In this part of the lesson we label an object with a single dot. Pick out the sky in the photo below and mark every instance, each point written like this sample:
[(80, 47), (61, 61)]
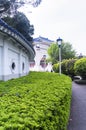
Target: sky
[(60, 18)]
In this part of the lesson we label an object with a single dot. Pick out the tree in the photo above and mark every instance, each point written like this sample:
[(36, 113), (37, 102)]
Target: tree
[(9, 7), (67, 52), (53, 53), (21, 24)]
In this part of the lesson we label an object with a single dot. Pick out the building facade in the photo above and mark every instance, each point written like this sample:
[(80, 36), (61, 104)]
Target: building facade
[(15, 53), (41, 46)]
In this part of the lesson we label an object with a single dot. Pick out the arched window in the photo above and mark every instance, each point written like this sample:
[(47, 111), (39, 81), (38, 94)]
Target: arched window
[(43, 62)]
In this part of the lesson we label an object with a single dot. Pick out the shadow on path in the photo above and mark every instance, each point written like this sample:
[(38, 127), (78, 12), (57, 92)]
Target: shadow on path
[(77, 119)]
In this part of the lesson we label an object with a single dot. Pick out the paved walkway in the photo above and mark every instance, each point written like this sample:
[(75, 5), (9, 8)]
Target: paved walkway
[(78, 108)]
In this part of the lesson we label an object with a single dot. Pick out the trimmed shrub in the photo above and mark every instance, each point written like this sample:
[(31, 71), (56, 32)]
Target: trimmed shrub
[(80, 67), (70, 67), (39, 101), (56, 68), (64, 67), (67, 67)]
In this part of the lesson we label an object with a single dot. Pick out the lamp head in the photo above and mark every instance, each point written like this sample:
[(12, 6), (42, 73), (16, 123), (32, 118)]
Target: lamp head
[(59, 41)]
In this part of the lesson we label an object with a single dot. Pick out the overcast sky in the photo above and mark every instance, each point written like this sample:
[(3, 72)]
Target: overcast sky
[(61, 18)]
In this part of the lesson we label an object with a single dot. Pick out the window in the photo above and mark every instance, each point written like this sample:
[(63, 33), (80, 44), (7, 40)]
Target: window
[(38, 47), (43, 62), (13, 65), (23, 65), (44, 56)]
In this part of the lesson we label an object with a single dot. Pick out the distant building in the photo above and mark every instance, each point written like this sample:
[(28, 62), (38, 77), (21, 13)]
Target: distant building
[(15, 53), (41, 46)]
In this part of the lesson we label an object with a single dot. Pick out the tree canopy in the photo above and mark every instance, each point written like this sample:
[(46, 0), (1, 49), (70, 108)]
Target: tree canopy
[(67, 52), (21, 23), (9, 7), (10, 14)]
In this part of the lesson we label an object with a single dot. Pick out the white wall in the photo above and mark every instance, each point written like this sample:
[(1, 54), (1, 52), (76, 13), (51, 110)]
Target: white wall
[(1, 56), (11, 53), (13, 57), (0, 60), (40, 52)]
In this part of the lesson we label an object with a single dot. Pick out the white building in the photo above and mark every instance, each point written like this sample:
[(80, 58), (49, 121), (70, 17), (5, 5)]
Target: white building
[(41, 46), (15, 53)]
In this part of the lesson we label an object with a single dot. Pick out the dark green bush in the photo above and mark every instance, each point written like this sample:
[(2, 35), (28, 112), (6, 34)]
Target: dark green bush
[(80, 67), (39, 101)]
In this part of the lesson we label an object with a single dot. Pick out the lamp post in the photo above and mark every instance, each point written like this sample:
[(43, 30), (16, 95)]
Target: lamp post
[(59, 41)]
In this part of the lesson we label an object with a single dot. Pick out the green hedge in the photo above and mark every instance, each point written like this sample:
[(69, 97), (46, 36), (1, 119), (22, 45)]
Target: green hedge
[(70, 67), (39, 101), (67, 67), (56, 68), (80, 67)]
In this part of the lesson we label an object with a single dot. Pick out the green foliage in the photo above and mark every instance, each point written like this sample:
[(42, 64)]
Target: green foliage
[(53, 53), (67, 52), (21, 23), (80, 67), (39, 101), (56, 68), (67, 67), (9, 7), (64, 66), (70, 67)]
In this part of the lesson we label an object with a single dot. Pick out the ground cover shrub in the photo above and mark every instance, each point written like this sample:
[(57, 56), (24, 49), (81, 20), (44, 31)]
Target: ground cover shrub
[(80, 68), (39, 101)]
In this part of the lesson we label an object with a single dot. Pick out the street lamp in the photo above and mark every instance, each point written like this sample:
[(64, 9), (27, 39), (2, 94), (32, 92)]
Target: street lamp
[(59, 41)]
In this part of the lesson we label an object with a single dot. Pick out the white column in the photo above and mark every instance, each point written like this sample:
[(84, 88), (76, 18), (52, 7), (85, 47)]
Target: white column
[(37, 60)]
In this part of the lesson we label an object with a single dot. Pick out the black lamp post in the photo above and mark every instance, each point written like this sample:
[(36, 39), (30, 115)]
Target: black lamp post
[(59, 41)]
